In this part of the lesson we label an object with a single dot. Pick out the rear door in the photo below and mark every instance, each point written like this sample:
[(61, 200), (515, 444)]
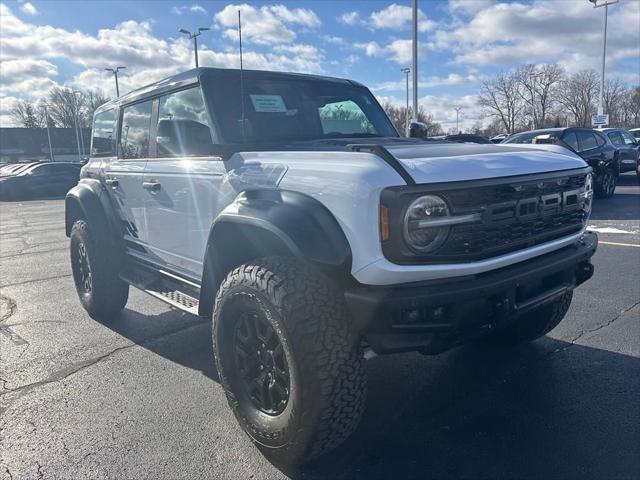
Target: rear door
[(184, 193), (589, 147), (124, 174)]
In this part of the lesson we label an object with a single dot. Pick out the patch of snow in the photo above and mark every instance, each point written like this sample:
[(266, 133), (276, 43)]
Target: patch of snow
[(608, 230)]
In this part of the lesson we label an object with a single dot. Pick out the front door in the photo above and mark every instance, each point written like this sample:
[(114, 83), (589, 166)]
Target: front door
[(124, 175), (184, 183)]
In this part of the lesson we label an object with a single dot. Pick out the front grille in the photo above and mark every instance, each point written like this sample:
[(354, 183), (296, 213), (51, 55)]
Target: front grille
[(520, 215), (515, 215)]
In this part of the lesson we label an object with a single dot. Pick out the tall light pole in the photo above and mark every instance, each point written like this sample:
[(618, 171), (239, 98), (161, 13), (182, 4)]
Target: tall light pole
[(605, 4), (415, 59), (47, 120), (457, 109), (194, 36), (115, 74), (406, 71)]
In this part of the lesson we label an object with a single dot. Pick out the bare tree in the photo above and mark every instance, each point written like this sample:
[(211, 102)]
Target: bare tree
[(577, 95), (614, 94), (503, 99), (28, 115), (631, 108), (537, 90), (65, 106)]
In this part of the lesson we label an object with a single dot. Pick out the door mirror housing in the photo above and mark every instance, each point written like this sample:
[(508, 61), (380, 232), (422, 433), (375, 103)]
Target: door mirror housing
[(418, 130)]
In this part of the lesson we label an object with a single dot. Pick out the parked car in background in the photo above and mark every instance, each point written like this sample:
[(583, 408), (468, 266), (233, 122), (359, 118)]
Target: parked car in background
[(463, 138), (40, 180), (499, 138), (592, 145), (15, 168), (635, 132), (627, 145)]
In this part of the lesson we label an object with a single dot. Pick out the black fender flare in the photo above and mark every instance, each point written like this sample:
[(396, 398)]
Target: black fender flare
[(89, 201), (271, 222)]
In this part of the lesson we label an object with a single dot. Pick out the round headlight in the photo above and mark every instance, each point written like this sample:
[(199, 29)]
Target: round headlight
[(421, 231)]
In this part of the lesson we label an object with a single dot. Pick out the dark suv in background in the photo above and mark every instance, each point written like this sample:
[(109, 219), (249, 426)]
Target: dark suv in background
[(592, 145), (627, 146)]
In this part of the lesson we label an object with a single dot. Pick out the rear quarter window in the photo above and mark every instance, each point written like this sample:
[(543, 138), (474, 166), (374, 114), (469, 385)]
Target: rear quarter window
[(103, 141)]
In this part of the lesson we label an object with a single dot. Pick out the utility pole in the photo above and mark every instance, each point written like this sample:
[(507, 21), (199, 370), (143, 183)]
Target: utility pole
[(457, 109), (606, 4), (115, 74), (415, 59), (406, 71), (47, 120), (194, 36)]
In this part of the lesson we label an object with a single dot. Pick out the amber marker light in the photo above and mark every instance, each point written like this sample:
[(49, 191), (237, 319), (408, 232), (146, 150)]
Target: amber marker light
[(384, 223)]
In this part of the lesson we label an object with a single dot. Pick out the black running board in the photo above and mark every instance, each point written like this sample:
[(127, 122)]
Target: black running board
[(177, 292)]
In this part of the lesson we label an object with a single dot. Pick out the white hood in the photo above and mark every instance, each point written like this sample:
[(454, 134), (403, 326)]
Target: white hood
[(457, 162)]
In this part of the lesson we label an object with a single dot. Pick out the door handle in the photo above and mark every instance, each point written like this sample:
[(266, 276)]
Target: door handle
[(112, 182), (152, 186)]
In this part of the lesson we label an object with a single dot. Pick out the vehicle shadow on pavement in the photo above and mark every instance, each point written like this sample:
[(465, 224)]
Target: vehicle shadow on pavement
[(550, 409), (179, 337), (546, 410)]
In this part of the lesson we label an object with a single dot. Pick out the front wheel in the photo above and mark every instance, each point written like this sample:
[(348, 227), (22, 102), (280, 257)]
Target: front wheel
[(95, 273), (531, 325), (605, 184), (289, 361)]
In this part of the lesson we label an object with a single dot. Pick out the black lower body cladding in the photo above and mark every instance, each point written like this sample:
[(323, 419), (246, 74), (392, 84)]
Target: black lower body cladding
[(435, 316)]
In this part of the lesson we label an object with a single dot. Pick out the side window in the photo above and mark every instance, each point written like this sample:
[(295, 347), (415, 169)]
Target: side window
[(628, 138), (615, 138), (571, 140), (344, 117), (586, 140), (134, 136), (183, 128), (600, 140), (42, 170), (103, 136)]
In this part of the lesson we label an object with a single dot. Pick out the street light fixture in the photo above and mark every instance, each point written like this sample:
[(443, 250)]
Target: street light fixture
[(115, 74), (194, 36), (406, 71), (605, 4)]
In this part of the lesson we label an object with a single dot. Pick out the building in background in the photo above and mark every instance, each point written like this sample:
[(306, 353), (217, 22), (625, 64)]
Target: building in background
[(22, 144)]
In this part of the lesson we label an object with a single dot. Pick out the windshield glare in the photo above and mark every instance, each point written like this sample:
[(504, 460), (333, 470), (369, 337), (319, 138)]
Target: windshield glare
[(295, 109)]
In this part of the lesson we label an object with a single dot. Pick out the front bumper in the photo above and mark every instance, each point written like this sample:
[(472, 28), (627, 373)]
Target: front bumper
[(434, 316)]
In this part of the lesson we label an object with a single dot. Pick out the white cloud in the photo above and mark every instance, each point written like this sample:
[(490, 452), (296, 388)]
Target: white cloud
[(195, 8), (398, 17), (469, 6), (7, 104), (430, 82), (29, 9), (269, 24), (349, 18), (398, 50)]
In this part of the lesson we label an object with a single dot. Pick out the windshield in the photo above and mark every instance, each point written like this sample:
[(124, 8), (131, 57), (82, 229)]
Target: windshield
[(289, 109), (527, 137)]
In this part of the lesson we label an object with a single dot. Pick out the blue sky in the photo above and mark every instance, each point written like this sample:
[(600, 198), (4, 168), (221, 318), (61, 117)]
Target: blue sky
[(462, 42)]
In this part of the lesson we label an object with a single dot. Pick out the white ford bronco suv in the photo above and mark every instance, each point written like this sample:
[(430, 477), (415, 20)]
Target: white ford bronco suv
[(287, 209)]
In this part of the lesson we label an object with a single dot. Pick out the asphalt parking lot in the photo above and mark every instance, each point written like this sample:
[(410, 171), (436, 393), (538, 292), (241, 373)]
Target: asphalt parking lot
[(138, 397)]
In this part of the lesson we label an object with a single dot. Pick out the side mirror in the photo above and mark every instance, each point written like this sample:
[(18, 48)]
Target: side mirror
[(417, 130)]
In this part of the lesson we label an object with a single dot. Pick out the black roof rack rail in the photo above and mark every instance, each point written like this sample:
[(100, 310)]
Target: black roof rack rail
[(385, 155)]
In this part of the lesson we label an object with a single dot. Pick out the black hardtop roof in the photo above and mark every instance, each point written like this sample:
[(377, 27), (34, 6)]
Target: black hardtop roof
[(193, 76)]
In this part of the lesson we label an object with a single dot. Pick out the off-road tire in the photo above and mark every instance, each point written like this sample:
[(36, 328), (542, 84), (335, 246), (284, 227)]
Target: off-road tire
[(602, 186), (532, 325), (107, 294), (325, 363)]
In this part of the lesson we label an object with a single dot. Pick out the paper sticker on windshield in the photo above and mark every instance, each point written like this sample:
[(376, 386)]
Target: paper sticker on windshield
[(268, 103)]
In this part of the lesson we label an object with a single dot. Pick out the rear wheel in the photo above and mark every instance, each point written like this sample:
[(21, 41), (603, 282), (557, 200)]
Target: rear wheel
[(532, 325), (605, 184), (95, 273), (288, 359)]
